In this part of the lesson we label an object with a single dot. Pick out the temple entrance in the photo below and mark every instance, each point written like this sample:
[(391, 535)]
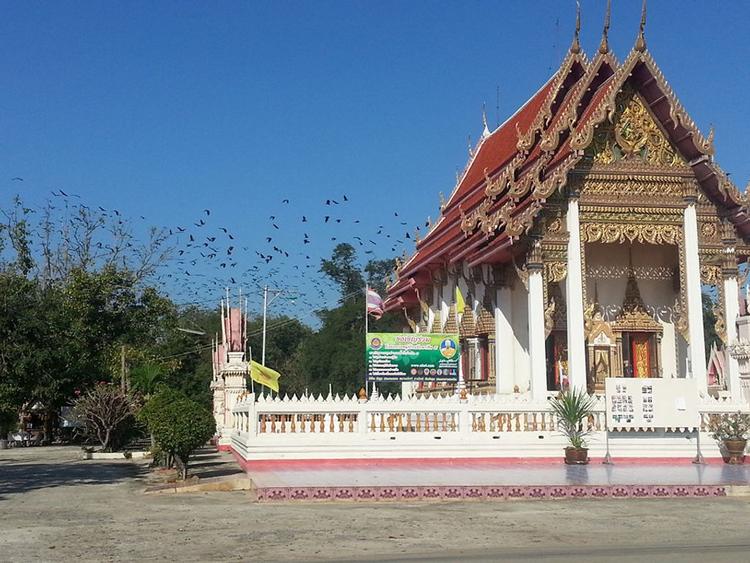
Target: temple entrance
[(625, 334), (638, 352)]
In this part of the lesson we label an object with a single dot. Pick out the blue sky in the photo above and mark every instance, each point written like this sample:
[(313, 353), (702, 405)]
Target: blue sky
[(163, 109)]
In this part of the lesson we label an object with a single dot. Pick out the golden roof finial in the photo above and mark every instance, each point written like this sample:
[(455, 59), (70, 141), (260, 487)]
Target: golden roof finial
[(604, 45), (575, 47), (640, 43)]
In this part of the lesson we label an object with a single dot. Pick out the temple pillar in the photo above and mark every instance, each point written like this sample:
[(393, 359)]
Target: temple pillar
[(731, 308), (504, 341), (537, 348), (574, 281), (696, 353)]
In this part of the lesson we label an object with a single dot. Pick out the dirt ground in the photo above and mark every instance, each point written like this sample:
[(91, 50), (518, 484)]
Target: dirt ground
[(56, 508)]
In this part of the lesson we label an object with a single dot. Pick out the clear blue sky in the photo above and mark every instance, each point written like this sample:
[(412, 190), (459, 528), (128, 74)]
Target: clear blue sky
[(163, 109)]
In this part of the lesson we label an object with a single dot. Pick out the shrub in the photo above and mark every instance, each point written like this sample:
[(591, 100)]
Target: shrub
[(179, 425), (108, 415), (734, 426)]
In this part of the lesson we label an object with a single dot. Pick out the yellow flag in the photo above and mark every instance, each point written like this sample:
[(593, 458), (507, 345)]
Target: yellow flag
[(264, 375), (460, 303)]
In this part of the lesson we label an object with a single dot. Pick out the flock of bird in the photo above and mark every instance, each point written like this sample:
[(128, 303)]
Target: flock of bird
[(284, 252)]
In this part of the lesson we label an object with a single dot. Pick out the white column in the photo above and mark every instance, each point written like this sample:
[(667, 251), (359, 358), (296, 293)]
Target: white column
[(731, 312), (696, 352), (574, 294), (504, 341), (537, 352)]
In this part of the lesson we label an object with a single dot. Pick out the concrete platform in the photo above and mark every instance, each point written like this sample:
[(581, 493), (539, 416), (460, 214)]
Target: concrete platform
[(499, 479)]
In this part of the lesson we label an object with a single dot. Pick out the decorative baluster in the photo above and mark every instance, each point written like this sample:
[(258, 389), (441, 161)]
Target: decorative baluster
[(473, 422), (382, 421), (445, 423), (419, 418), (322, 423), (453, 422), (311, 418), (282, 421), (294, 426), (273, 424), (435, 426), (518, 422), (390, 423), (351, 422), (400, 427), (331, 416)]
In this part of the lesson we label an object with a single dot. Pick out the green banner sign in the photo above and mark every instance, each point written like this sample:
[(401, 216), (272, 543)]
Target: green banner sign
[(395, 356)]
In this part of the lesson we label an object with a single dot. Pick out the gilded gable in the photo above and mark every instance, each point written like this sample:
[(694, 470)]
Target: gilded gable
[(633, 134)]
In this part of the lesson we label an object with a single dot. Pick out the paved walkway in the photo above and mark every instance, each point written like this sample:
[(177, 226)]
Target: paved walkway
[(494, 479), (54, 507), (499, 473)]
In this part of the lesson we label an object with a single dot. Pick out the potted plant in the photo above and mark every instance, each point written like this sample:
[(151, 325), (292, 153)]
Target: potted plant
[(731, 430), (572, 409)]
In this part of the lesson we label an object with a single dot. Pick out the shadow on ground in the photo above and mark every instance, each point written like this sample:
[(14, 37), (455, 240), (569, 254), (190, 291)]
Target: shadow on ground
[(207, 462), (18, 477)]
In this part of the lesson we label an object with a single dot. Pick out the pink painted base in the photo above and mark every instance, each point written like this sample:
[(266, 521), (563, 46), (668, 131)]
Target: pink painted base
[(271, 464), (544, 492)]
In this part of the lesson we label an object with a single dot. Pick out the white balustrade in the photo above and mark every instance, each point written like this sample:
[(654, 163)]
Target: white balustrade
[(347, 424)]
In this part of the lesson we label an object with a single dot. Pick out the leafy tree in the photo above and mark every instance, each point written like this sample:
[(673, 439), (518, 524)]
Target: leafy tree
[(179, 425), (335, 354), (107, 414), (342, 269), (145, 378)]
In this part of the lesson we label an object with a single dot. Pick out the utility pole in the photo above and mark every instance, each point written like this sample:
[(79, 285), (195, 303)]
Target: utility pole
[(122, 369), (266, 303)]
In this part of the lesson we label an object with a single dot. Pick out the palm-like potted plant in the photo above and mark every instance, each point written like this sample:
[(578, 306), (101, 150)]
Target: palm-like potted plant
[(572, 409), (732, 431)]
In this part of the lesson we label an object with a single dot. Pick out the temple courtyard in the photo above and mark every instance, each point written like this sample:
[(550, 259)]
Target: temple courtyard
[(55, 507)]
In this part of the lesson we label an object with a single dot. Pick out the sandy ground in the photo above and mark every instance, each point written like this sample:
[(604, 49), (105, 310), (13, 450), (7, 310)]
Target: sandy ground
[(55, 508)]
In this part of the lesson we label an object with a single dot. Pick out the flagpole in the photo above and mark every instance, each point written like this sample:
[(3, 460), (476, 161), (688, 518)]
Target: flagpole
[(367, 324), (366, 316)]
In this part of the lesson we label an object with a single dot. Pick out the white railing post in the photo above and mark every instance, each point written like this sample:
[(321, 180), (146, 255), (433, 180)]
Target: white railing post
[(362, 418)]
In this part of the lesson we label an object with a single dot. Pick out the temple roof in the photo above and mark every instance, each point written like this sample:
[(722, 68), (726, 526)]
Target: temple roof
[(517, 167)]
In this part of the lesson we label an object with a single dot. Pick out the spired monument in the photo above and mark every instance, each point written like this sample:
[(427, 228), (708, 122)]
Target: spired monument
[(583, 231)]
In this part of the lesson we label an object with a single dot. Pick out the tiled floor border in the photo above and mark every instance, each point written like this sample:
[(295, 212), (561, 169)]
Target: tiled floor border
[(486, 492)]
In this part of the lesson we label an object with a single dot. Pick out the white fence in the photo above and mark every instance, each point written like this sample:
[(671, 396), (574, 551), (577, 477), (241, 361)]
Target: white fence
[(437, 426)]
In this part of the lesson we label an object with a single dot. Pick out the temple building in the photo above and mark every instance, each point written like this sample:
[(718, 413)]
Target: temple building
[(583, 233)]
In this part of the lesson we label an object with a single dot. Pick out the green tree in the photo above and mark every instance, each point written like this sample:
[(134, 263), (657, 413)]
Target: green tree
[(179, 425), (335, 354), (342, 268)]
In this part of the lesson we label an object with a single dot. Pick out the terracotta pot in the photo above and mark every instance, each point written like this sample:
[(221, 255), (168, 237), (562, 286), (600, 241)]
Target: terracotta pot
[(576, 456), (735, 451)]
